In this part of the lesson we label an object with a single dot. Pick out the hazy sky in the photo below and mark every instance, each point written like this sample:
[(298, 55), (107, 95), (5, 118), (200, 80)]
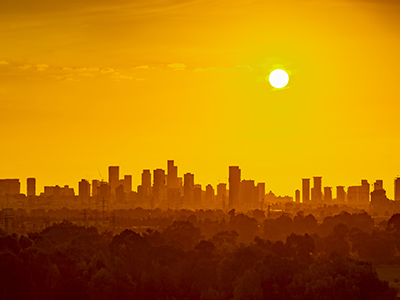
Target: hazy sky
[(88, 84)]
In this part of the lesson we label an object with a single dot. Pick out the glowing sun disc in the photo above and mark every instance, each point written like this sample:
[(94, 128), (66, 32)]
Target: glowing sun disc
[(278, 78)]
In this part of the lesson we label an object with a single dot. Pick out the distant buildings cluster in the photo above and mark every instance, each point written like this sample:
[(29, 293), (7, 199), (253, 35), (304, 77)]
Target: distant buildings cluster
[(164, 189)]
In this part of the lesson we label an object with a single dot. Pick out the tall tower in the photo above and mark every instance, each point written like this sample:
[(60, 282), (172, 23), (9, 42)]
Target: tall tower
[(172, 176), (378, 185), (146, 183), (159, 187), (297, 196), (234, 187), (113, 178), (397, 189), (221, 195), (340, 194), (84, 191), (31, 187), (95, 186), (316, 192), (188, 187), (327, 194), (306, 190), (128, 184)]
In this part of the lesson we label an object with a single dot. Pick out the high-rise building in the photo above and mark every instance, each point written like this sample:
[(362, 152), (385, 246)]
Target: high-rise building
[(113, 178), (327, 194), (210, 195), (197, 196), (359, 194), (120, 194), (188, 187), (159, 187), (340, 194), (378, 185), (103, 194), (248, 195), (222, 195), (128, 183), (84, 191), (31, 187), (173, 191), (306, 190), (234, 187), (146, 184), (297, 196), (316, 192), (9, 187), (397, 189), (95, 186), (172, 176)]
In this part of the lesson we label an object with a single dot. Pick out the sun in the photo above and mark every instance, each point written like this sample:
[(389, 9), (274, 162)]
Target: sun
[(278, 78)]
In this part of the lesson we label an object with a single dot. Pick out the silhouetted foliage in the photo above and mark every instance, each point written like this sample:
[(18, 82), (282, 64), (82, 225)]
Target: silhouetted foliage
[(66, 261)]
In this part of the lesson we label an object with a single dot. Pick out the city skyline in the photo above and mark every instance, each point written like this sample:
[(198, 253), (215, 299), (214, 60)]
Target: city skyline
[(173, 180)]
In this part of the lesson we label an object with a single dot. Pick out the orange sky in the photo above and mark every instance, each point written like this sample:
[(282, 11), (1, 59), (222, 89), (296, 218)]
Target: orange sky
[(88, 84)]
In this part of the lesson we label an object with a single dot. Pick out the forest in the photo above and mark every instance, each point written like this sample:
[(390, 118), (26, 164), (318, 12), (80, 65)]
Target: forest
[(239, 258)]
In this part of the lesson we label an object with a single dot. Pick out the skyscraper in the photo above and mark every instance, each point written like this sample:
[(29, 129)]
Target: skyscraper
[(84, 191), (128, 184), (306, 190), (210, 195), (327, 194), (188, 187), (222, 195), (172, 176), (113, 178), (95, 186), (316, 192), (397, 189), (159, 187), (234, 186), (340, 194), (31, 187), (378, 185), (297, 196)]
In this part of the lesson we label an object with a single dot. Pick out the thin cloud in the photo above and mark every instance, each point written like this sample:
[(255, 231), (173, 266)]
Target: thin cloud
[(41, 67), (177, 66), (144, 67), (118, 76), (3, 62), (237, 68), (25, 67), (107, 70)]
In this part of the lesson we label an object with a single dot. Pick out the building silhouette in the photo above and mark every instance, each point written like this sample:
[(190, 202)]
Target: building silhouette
[(197, 196), (31, 187), (127, 183), (327, 194), (10, 187), (234, 187), (159, 188), (188, 189), (316, 191), (297, 196), (113, 178), (358, 195), (306, 190), (222, 196), (340, 194), (209, 197), (84, 192), (397, 189)]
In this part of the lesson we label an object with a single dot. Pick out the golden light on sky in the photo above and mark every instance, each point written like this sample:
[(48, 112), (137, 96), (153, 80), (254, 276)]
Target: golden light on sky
[(88, 84)]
